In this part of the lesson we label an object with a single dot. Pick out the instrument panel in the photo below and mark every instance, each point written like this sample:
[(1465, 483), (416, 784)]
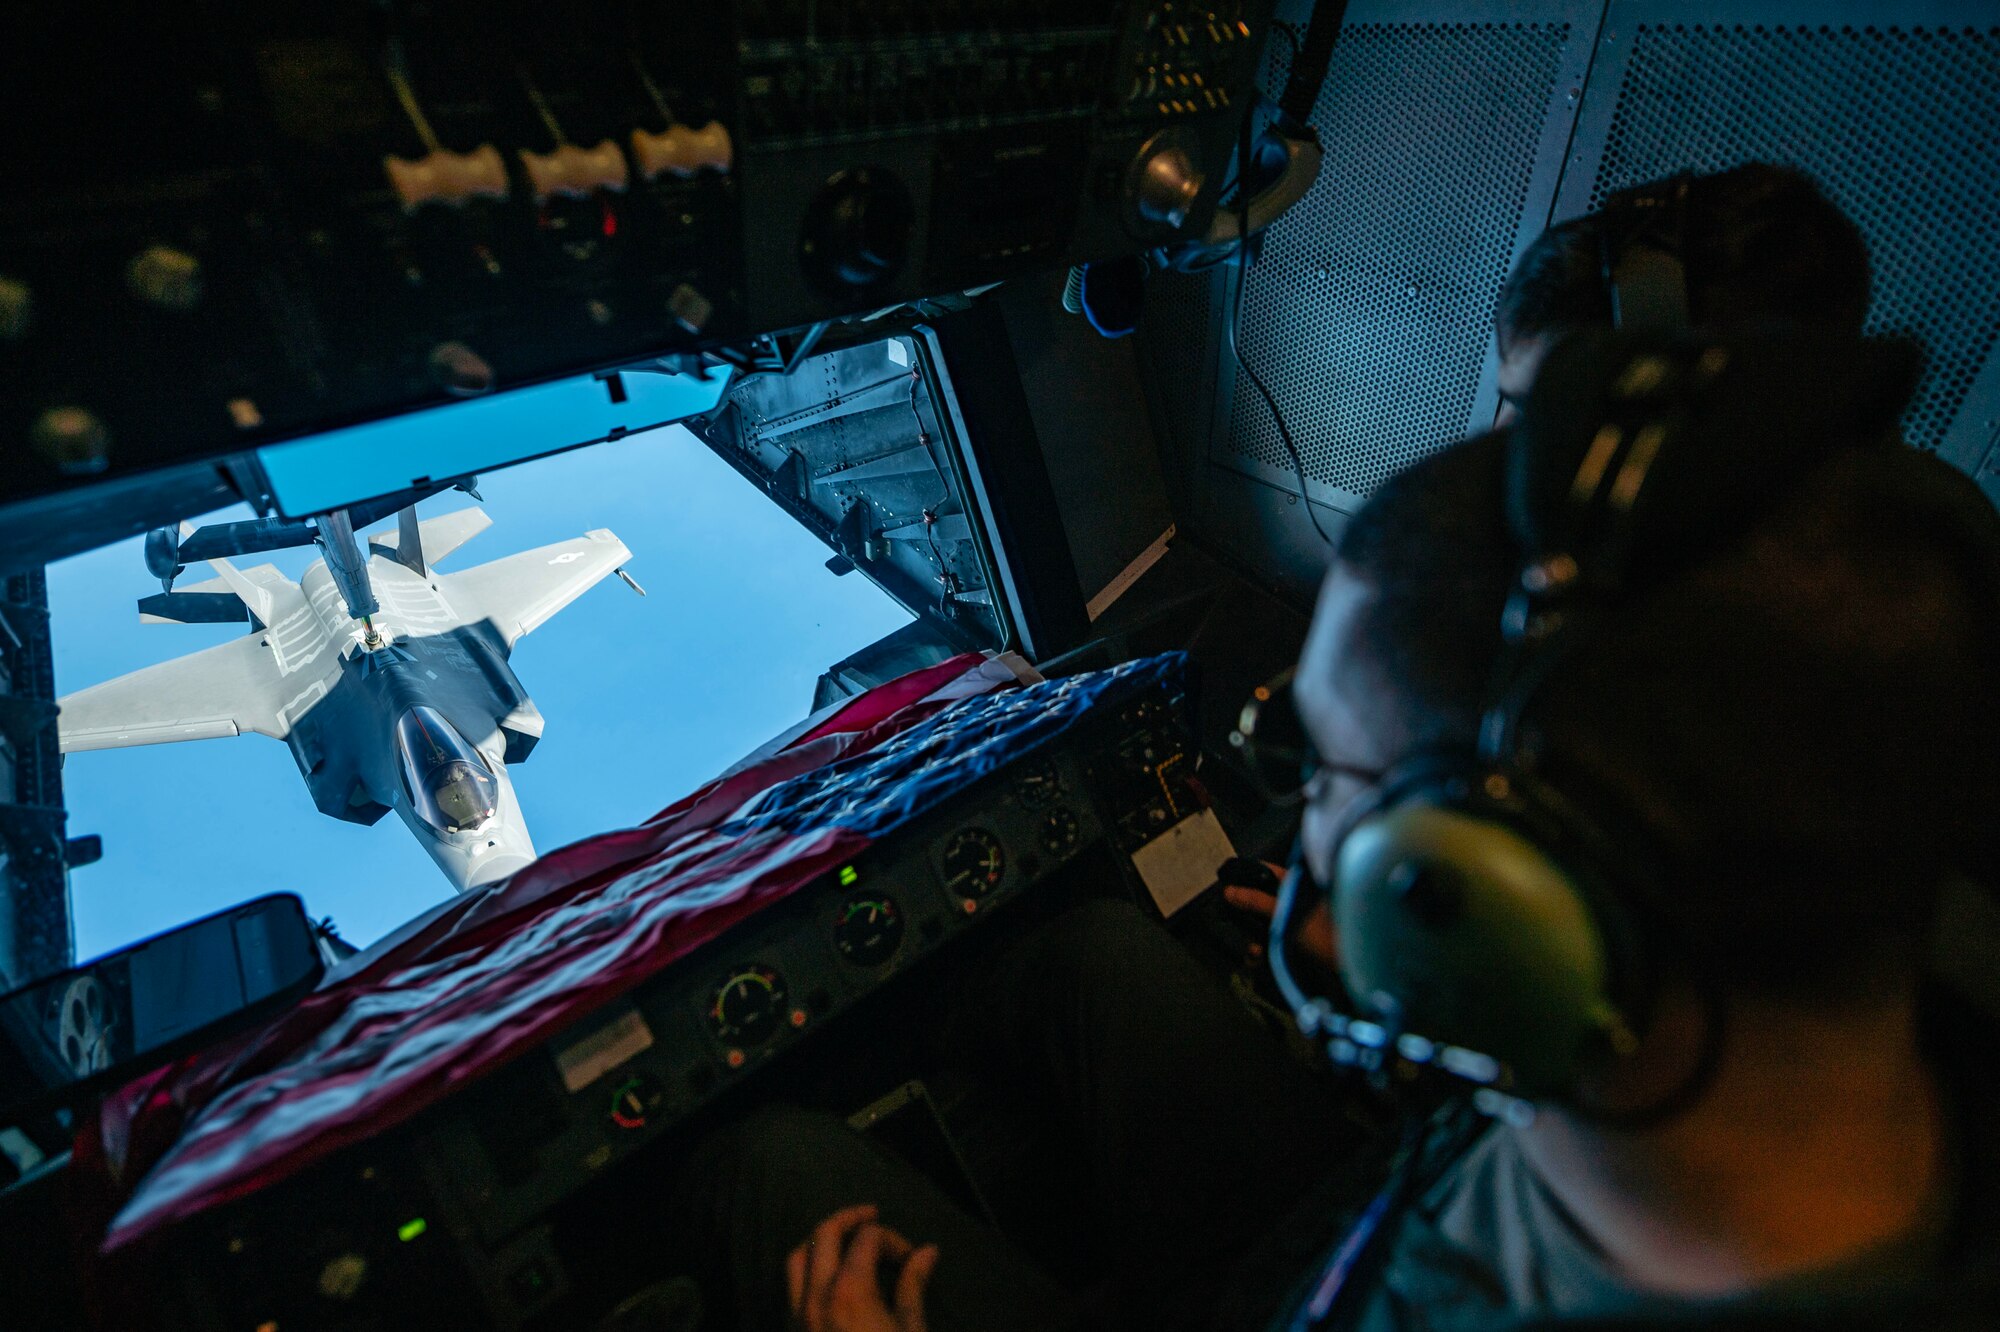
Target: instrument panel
[(552, 1125), (475, 1181)]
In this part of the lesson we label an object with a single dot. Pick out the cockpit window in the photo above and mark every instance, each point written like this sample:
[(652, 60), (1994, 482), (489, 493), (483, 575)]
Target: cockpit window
[(450, 785)]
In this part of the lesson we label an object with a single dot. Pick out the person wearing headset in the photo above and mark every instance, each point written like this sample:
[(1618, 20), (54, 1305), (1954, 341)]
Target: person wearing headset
[(1759, 246), (1763, 245), (1657, 833), (1275, 1121), (1671, 849)]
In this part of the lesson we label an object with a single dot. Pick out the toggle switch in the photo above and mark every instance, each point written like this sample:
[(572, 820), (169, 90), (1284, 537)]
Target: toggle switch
[(683, 151), (573, 171), (447, 177)]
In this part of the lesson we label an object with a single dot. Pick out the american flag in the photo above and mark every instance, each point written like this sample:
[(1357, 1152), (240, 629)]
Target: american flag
[(494, 973)]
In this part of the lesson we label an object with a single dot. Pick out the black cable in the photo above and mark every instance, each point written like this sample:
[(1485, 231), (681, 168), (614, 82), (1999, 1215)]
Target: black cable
[(1277, 949), (1289, 33), (946, 579), (1308, 69), (1285, 31), (1247, 256), (1284, 433), (924, 439), (923, 436)]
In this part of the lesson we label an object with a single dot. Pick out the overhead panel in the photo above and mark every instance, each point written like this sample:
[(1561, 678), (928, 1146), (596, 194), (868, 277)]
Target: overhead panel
[(257, 223), (1893, 108)]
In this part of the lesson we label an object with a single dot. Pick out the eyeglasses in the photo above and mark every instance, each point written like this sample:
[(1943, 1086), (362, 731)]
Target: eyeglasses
[(1279, 752)]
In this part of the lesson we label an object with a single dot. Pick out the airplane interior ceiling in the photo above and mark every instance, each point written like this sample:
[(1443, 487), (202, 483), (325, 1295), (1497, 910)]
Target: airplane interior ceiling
[(1369, 313)]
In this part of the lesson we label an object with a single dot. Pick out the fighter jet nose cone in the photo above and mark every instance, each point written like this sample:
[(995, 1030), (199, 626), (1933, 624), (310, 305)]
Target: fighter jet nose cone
[(495, 867)]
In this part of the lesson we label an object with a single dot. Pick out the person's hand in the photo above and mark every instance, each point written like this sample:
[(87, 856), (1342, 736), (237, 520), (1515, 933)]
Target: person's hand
[(835, 1277), (1313, 938)]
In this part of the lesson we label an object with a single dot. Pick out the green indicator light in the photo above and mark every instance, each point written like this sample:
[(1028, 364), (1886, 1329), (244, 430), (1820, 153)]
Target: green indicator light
[(848, 876), (409, 1230)]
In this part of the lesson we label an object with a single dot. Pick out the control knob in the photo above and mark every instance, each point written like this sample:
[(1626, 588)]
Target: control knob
[(17, 309), (74, 439), (163, 276), (857, 231), (1162, 184)]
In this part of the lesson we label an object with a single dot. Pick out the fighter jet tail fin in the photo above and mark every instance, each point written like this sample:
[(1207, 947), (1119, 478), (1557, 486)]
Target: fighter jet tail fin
[(255, 597), (253, 589), (218, 600), (192, 608), (410, 541), (419, 545)]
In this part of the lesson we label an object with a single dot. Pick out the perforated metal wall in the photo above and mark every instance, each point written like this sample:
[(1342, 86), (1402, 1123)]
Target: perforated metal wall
[(1451, 142), (1370, 311), (1900, 124)]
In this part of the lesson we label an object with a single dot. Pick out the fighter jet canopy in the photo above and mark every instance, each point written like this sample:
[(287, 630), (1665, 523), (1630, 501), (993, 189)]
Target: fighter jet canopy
[(450, 786)]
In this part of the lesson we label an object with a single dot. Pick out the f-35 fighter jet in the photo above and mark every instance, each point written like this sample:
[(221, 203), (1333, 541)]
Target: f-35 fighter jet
[(387, 678)]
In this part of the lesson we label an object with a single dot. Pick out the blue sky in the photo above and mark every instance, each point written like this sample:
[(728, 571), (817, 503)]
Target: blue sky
[(644, 699)]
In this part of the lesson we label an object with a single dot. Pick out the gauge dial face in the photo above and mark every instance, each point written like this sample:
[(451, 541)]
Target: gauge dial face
[(974, 862), (869, 929), (1040, 787), (634, 1099), (1060, 831), (749, 1007)]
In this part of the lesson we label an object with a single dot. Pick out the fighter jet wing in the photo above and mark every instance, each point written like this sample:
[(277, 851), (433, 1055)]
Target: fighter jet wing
[(520, 592), (219, 691)]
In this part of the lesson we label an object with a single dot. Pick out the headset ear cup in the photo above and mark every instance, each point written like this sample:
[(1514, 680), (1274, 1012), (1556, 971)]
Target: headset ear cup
[(1458, 924), (1749, 416)]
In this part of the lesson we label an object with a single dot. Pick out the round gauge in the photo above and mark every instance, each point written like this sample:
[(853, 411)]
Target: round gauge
[(869, 929), (1059, 832), (749, 1006), (634, 1099), (974, 862), (1040, 787)]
